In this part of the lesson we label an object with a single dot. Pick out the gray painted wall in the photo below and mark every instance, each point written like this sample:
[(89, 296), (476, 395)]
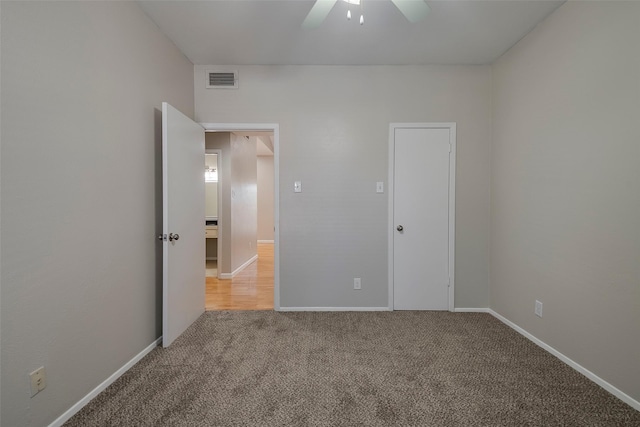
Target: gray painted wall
[(264, 165), (82, 85), (565, 199), (334, 130), (0, 220), (244, 200)]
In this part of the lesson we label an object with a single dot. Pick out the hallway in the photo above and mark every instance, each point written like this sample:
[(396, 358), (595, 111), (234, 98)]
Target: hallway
[(251, 289)]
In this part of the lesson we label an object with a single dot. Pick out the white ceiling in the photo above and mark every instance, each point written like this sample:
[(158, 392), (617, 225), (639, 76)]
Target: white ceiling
[(269, 32)]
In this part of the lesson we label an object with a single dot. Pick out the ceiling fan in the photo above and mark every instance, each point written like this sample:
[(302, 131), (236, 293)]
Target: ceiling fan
[(413, 10)]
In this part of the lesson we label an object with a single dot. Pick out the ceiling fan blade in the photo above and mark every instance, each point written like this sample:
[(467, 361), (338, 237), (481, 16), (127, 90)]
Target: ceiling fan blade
[(413, 10), (318, 12)]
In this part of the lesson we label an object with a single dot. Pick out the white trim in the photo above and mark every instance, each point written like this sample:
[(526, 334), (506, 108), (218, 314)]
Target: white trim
[(265, 241), (334, 309), (584, 371), (103, 385), (390, 186), (452, 213), (471, 310), (233, 127), (275, 128), (452, 202), (239, 269)]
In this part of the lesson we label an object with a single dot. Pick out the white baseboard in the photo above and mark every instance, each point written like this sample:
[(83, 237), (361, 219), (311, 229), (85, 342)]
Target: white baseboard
[(457, 310), (334, 309), (584, 371), (470, 310), (238, 270), (106, 383), (265, 241)]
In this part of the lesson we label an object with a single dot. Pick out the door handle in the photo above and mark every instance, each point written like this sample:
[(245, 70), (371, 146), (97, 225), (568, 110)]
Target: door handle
[(173, 236), (399, 228)]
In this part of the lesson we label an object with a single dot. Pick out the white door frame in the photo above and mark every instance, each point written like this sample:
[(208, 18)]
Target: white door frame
[(452, 200), (263, 127)]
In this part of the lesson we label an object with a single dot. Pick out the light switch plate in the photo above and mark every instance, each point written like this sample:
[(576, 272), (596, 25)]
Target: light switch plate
[(297, 187), (379, 187), (538, 309)]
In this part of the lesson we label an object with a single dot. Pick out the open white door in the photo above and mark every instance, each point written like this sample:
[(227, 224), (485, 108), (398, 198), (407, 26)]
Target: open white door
[(183, 225)]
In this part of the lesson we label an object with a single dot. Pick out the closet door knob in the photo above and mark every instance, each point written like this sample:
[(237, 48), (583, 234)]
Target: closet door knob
[(173, 236), (399, 228)]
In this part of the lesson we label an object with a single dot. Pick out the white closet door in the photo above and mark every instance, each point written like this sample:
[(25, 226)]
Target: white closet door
[(421, 218)]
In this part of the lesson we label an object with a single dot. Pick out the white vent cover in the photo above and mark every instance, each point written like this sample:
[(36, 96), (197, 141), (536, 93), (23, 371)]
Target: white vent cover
[(221, 79)]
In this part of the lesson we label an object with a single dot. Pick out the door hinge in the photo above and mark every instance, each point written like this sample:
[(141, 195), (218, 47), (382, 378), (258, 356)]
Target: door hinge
[(449, 147)]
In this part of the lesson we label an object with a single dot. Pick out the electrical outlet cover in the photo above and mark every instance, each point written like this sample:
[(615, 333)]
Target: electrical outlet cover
[(38, 381)]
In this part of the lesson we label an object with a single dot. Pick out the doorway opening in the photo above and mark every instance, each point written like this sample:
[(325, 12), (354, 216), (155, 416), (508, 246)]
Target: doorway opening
[(212, 203), (247, 233)]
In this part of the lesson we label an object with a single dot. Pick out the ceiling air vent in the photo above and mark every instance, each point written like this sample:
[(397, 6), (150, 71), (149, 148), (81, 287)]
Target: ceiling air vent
[(219, 79)]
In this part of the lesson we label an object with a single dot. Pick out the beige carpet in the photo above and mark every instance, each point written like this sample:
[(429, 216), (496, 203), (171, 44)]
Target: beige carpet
[(264, 368)]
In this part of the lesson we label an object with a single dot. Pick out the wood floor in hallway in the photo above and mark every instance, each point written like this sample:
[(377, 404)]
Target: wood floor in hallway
[(251, 289)]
